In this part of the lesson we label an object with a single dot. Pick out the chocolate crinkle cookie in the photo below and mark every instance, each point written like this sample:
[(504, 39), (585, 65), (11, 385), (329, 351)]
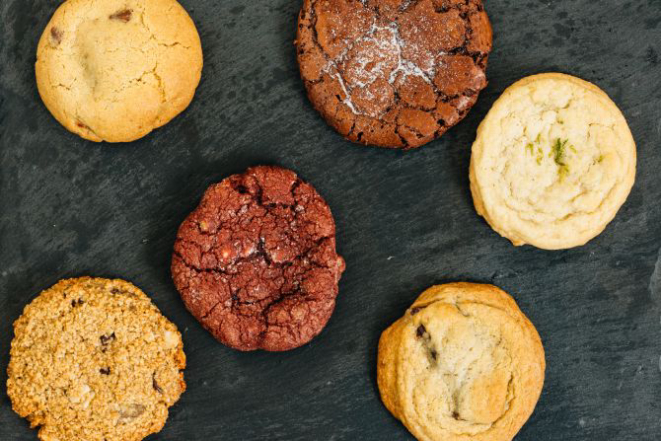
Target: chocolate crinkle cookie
[(393, 73), (256, 264)]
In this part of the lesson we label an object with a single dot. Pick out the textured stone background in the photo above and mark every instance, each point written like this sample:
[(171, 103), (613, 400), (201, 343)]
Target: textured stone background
[(69, 207)]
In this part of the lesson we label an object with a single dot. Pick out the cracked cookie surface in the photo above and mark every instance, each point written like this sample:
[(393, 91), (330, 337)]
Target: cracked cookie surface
[(93, 359), (393, 73), (463, 363), (114, 70), (553, 162), (256, 263)]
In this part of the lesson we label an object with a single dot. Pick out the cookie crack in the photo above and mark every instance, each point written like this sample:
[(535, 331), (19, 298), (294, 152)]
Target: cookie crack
[(152, 35)]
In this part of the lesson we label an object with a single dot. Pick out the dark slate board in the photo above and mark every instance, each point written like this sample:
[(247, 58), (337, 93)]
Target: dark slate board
[(405, 220)]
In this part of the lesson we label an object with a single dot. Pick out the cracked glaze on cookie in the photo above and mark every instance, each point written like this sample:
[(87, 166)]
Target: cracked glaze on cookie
[(256, 264), (393, 73), (93, 359), (463, 363), (114, 70)]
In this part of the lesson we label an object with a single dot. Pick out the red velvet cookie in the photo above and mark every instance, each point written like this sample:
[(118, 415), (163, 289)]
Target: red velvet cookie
[(393, 73), (256, 263)]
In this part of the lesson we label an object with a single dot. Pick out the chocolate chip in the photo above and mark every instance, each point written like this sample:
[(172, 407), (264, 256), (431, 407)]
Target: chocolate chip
[(78, 302), (105, 339), (421, 331), (123, 15), (105, 371), (56, 34), (434, 354), (155, 385), (455, 415), (417, 309)]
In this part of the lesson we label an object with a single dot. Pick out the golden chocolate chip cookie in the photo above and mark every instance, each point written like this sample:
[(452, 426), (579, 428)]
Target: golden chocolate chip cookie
[(463, 364), (114, 70), (553, 162), (94, 360)]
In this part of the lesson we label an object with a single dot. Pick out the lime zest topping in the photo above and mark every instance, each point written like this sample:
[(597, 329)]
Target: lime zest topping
[(530, 148), (559, 150)]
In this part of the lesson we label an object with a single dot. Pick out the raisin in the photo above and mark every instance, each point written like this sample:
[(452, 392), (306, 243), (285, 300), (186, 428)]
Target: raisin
[(105, 339), (155, 385), (105, 371)]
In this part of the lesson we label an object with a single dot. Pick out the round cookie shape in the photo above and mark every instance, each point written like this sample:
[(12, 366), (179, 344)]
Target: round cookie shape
[(553, 162), (256, 263), (93, 359), (463, 363), (393, 73), (114, 70)]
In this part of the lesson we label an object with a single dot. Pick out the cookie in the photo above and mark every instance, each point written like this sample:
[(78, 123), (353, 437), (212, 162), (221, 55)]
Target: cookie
[(93, 359), (553, 162), (393, 73), (114, 70), (463, 363), (256, 263)]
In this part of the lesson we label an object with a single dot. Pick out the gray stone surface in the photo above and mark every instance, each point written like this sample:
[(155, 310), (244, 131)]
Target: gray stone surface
[(69, 207)]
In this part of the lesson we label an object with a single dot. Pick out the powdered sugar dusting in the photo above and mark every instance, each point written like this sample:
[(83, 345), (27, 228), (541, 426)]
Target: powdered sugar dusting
[(378, 54), (462, 103), (347, 97), (407, 67)]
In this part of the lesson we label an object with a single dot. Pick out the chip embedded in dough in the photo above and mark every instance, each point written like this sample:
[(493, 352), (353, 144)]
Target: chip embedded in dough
[(114, 70), (462, 364), (93, 359), (553, 162)]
